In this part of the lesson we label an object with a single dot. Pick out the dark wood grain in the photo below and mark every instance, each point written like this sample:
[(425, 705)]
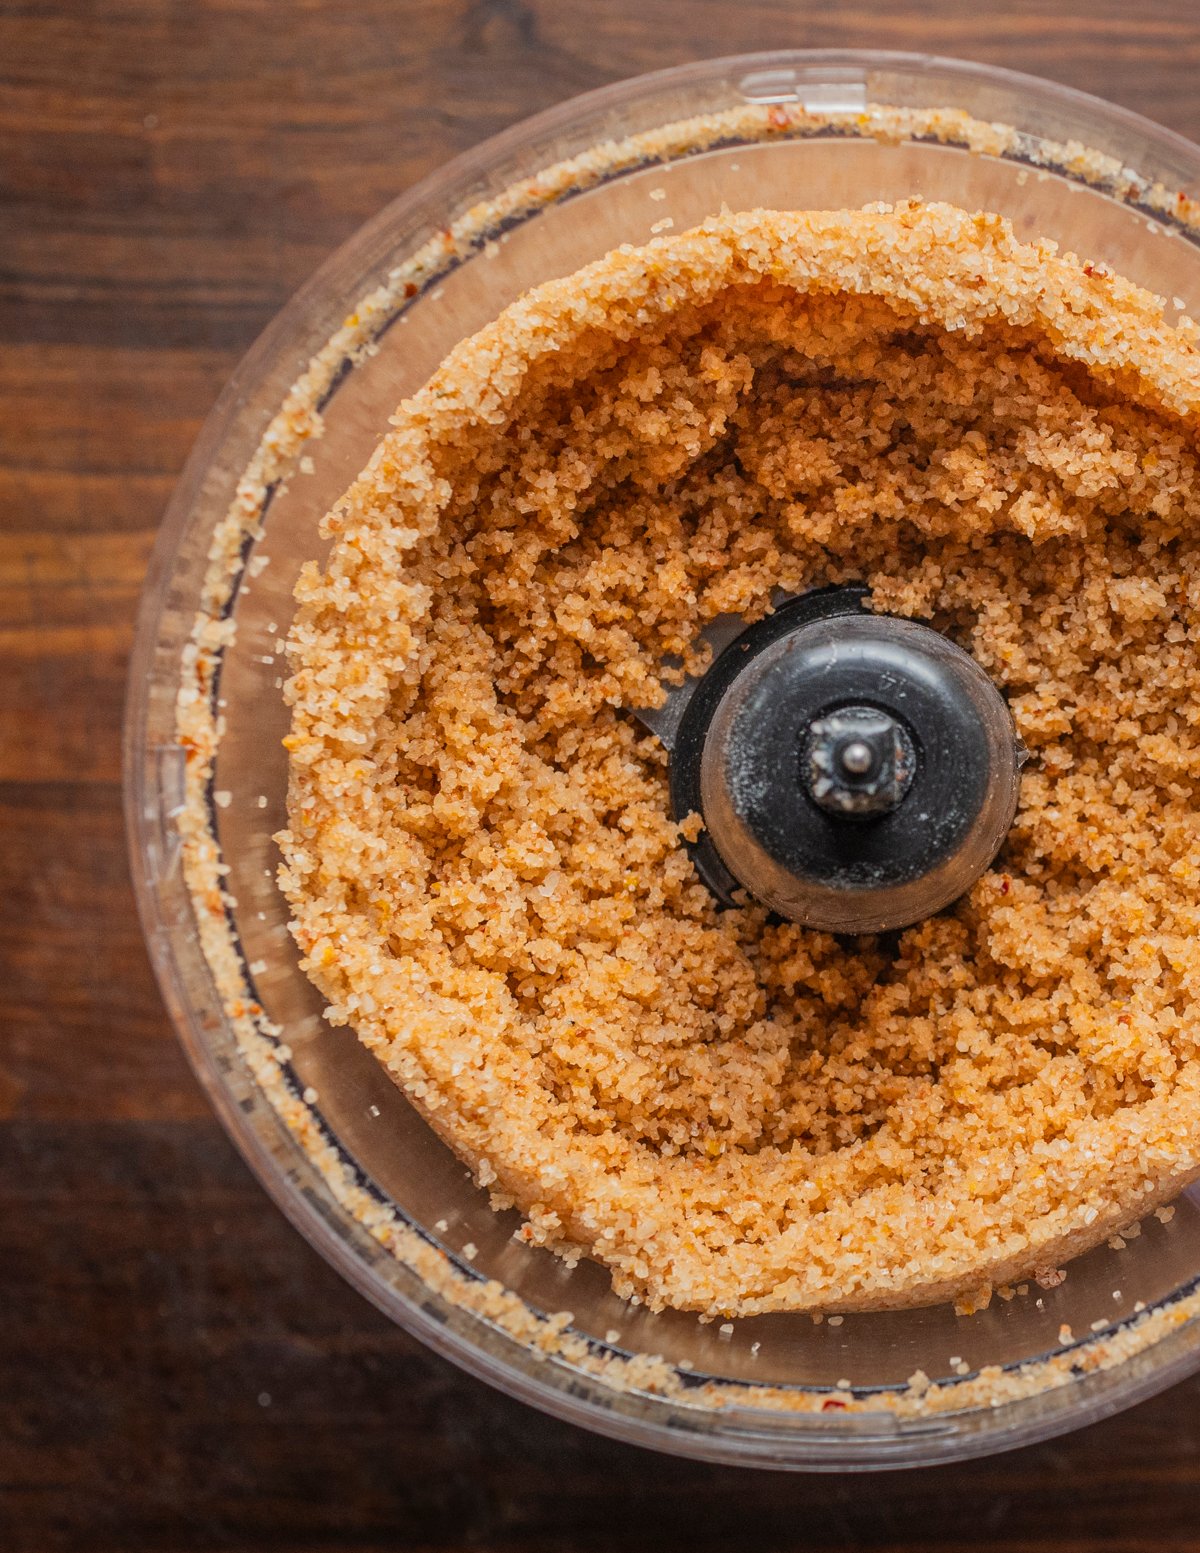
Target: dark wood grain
[(177, 1369)]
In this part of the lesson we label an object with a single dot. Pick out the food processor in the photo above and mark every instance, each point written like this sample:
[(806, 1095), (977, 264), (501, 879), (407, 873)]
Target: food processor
[(331, 1137)]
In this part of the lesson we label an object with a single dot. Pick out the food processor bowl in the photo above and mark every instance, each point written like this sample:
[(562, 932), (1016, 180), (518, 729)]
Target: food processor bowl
[(328, 1133)]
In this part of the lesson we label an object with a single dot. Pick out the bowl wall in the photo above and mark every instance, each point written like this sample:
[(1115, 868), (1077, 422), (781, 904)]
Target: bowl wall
[(360, 1119)]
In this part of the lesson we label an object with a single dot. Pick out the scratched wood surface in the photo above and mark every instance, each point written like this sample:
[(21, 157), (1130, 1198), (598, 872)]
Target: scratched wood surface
[(177, 1369)]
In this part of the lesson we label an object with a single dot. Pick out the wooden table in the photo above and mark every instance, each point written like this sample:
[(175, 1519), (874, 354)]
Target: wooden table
[(177, 1369)]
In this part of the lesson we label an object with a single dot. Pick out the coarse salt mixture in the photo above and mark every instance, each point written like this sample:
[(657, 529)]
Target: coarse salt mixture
[(739, 1115)]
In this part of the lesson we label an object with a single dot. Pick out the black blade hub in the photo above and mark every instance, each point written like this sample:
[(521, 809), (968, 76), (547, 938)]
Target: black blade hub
[(854, 771)]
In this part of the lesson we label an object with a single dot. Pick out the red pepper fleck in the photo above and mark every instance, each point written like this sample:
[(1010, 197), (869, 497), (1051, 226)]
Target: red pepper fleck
[(832, 1405)]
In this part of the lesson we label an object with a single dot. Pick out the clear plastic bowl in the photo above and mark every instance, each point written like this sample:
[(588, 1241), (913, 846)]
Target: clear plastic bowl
[(328, 1134)]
